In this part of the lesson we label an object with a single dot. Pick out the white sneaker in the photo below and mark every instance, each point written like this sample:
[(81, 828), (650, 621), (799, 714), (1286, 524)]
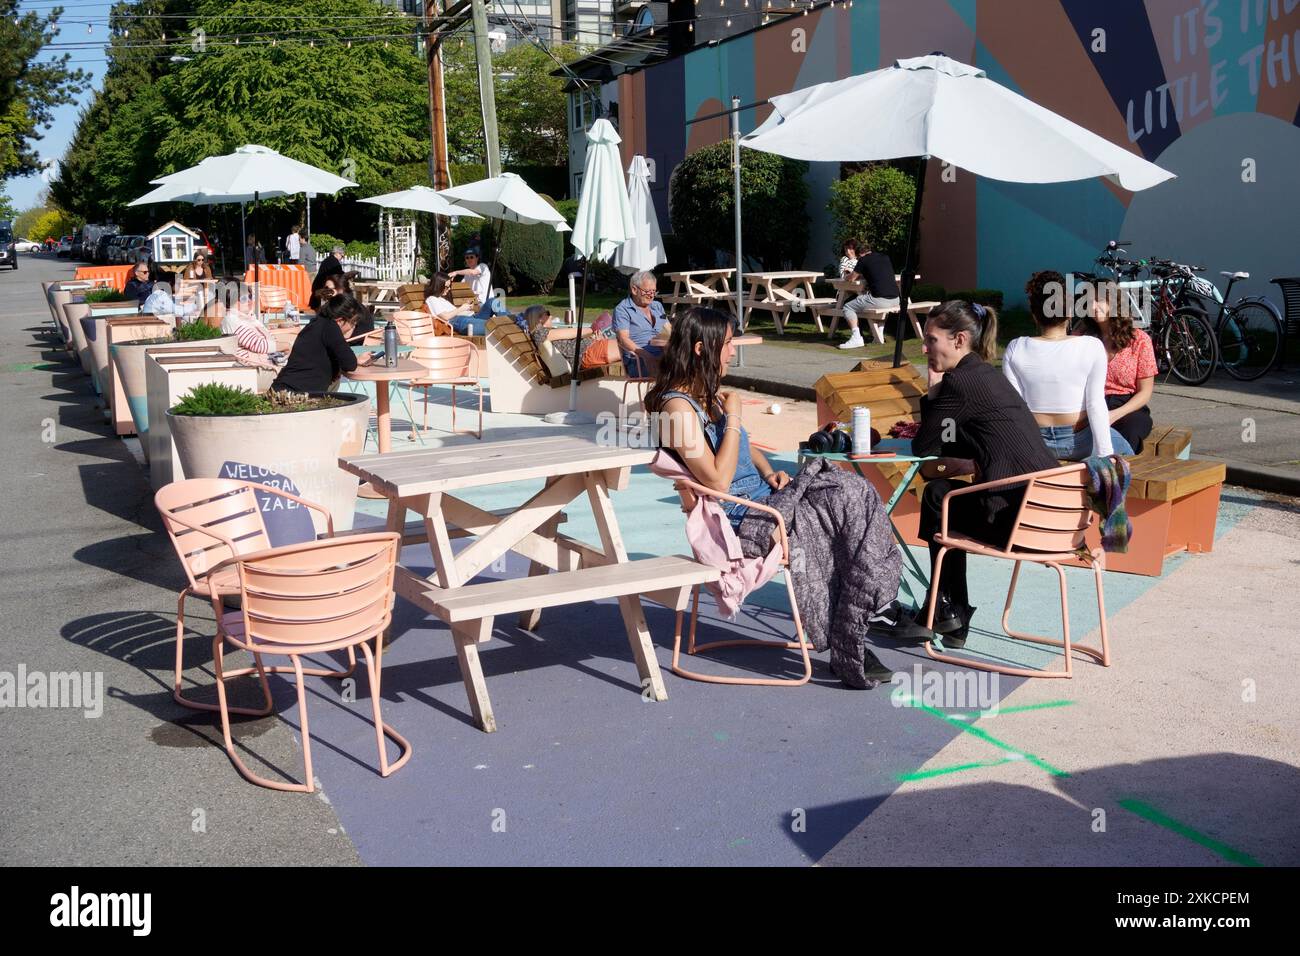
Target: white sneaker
[(854, 342)]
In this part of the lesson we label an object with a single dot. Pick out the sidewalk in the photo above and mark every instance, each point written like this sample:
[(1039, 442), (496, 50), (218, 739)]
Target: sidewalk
[(1253, 423)]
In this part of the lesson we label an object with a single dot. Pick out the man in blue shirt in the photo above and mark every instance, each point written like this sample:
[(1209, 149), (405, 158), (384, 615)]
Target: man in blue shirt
[(638, 319)]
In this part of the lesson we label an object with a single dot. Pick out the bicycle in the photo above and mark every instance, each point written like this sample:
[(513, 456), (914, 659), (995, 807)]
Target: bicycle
[(1184, 341), (1249, 332)]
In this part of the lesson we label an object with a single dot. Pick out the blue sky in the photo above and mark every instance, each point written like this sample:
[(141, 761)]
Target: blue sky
[(77, 15)]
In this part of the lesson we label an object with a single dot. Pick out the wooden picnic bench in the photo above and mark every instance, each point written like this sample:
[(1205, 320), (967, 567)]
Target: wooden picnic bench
[(698, 287), (780, 294), (562, 569), (848, 289)]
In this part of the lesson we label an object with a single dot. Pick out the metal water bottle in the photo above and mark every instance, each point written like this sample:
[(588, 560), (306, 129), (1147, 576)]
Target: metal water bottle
[(390, 345), (861, 430)]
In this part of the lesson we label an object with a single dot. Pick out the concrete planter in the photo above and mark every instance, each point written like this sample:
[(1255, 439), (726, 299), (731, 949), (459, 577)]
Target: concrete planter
[(129, 372), (73, 313), (95, 328), (169, 378), (298, 451), (118, 331), (58, 299)]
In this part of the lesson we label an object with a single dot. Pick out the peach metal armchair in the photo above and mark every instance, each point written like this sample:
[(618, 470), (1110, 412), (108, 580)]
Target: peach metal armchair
[(308, 599), (688, 491), (1050, 527), (449, 361), (641, 382), (208, 521)]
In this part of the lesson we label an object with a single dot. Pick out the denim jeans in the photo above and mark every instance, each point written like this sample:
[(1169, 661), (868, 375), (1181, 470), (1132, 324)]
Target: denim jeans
[(469, 325), (1065, 443)]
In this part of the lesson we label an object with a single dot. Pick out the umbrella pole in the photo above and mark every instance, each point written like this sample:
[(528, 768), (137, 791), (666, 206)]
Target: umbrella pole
[(909, 262), (257, 263), (573, 416)]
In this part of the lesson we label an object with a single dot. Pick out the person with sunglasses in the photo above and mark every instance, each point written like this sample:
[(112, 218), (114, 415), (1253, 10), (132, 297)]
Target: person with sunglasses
[(638, 319)]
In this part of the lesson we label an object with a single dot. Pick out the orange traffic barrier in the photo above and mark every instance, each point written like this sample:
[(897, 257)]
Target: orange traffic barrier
[(118, 274), (292, 278)]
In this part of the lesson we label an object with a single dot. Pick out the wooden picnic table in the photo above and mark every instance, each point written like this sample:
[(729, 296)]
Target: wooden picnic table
[(847, 289), (699, 286), (563, 570), (779, 293)]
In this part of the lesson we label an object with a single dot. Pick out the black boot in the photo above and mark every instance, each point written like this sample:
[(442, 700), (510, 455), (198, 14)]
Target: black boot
[(955, 637)]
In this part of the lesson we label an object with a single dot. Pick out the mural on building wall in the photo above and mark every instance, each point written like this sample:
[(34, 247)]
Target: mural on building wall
[(1210, 90)]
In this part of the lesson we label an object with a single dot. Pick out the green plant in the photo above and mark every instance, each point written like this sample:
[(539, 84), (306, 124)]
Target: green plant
[(527, 257), (217, 399), (214, 398), (774, 196), (875, 207), (928, 292), (106, 295), (196, 332), (991, 297)]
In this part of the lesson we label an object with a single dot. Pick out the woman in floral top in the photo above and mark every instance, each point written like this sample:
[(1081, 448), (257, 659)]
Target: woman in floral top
[(1131, 370)]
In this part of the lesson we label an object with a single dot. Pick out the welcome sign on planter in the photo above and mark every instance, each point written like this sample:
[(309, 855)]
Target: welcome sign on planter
[(287, 522)]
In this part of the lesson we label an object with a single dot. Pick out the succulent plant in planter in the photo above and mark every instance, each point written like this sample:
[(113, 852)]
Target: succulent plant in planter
[(105, 295), (289, 440)]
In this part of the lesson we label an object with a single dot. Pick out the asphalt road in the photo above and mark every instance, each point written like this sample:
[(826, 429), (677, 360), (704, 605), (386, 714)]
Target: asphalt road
[(89, 585)]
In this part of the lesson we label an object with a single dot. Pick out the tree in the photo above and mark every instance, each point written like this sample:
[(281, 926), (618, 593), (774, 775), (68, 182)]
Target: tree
[(874, 206), (300, 80), (355, 107), (7, 210), (532, 107), (29, 89), (773, 197)]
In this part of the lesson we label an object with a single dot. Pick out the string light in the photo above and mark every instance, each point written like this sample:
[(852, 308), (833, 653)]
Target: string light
[(690, 28), (728, 21)]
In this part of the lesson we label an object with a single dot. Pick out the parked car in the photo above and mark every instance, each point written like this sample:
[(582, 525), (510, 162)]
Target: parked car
[(118, 254), (65, 247), (27, 245), (78, 247), (137, 248), (104, 251), (8, 250)]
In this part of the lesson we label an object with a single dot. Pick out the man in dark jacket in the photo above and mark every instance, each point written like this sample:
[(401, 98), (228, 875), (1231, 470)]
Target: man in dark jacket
[(331, 265)]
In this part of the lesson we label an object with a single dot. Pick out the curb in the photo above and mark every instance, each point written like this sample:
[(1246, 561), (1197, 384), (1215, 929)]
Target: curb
[(1279, 481)]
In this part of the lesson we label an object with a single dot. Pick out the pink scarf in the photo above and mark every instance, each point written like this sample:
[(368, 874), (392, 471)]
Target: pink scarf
[(714, 543)]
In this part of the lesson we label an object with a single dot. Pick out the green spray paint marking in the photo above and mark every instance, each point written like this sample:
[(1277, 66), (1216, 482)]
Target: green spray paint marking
[(940, 771), (1015, 710), (1148, 812), (986, 737)]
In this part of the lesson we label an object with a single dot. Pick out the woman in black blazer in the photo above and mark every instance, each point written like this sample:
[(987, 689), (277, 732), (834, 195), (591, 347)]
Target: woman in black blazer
[(976, 420)]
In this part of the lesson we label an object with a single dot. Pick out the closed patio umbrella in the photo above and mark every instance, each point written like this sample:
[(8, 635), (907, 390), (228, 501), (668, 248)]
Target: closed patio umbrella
[(936, 106), (603, 223), (645, 248)]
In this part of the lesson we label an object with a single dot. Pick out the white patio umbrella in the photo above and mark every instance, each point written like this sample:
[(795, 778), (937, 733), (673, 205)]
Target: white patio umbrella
[(645, 249), (935, 106), (602, 224), (248, 174), (506, 197), (421, 199)]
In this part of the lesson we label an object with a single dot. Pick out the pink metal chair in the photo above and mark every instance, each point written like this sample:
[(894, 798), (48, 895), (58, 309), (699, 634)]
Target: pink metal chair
[(449, 361), (208, 521), (687, 491), (1050, 527), (309, 599), (641, 382)]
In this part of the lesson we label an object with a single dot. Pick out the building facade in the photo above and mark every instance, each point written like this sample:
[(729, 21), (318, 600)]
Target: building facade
[(1209, 90)]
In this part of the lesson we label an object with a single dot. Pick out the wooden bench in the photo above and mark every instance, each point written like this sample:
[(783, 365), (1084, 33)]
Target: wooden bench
[(1168, 441), (520, 383)]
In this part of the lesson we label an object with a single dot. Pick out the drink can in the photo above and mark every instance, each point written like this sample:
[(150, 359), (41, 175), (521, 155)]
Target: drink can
[(861, 430)]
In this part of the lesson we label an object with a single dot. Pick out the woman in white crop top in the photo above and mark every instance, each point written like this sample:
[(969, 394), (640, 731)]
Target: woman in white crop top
[(1062, 378)]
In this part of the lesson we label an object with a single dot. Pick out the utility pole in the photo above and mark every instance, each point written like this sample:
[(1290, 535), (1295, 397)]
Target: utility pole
[(439, 172), (483, 54)]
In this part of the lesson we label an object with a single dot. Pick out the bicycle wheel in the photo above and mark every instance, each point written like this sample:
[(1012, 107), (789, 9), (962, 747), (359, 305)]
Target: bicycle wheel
[(1249, 340), (1189, 346)]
